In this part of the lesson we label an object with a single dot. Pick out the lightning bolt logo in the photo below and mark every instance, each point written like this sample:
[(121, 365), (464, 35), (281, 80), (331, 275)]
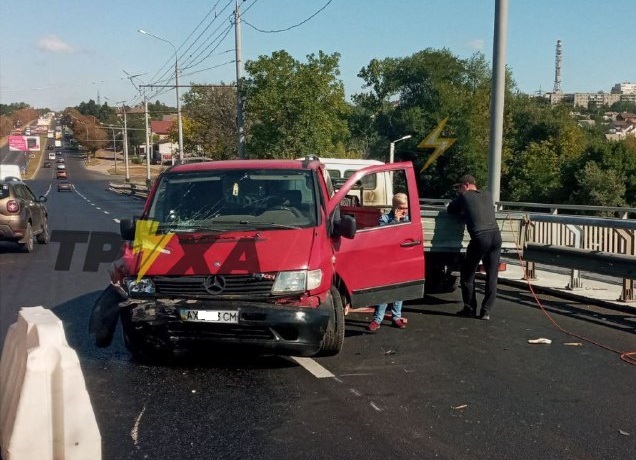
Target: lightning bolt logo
[(433, 141), (149, 244)]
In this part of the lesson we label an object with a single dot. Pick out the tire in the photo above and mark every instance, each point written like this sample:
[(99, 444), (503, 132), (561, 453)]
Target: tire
[(334, 335), (441, 284), (28, 244), (44, 237)]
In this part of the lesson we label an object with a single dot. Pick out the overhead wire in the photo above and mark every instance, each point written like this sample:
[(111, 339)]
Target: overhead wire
[(203, 46), (292, 26), (165, 73)]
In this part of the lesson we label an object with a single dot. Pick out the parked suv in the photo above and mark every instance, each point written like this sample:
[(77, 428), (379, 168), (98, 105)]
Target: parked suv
[(22, 214)]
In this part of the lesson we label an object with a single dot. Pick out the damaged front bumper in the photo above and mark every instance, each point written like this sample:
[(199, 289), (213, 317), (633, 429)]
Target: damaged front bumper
[(164, 323)]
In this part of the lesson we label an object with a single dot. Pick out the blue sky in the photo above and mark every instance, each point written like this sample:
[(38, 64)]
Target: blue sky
[(62, 52)]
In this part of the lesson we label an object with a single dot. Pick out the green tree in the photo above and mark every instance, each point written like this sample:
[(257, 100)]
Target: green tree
[(544, 142), (412, 95), (537, 174), (210, 128), (292, 108), (623, 106), (86, 131), (598, 186), (158, 109), (618, 158)]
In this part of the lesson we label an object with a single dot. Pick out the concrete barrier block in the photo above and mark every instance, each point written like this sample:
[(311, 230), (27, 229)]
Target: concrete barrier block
[(45, 410)]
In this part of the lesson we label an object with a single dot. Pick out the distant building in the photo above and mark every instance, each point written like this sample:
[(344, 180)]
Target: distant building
[(624, 88), (161, 128)]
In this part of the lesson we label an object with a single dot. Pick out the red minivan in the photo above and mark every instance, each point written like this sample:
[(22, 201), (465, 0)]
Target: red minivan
[(257, 254)]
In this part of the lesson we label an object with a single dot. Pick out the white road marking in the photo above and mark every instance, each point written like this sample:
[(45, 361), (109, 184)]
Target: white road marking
[(355, 392), (116, 221), (313, 367), (134, 433), (375, 406)]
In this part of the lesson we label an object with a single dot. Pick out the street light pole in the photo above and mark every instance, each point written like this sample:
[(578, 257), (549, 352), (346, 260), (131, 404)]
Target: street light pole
[(176, 82), (126, 168), (148, 179), (392, 146)]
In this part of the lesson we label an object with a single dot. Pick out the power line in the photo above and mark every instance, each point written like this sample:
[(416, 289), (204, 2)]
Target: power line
[(290, 27)]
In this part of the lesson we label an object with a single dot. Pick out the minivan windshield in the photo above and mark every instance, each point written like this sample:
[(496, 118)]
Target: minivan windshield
[(234, 199)]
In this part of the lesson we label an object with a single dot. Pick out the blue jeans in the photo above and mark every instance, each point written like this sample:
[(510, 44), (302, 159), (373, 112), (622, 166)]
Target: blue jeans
[(396, 311)]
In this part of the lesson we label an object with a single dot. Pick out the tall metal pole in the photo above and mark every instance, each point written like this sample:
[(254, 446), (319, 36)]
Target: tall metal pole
[(114, 148), (148, 179), (123, 106), (497, 98), (239, 98), (176, 83)]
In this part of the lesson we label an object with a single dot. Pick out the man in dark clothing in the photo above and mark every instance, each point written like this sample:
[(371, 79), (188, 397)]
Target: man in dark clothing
[(477, 208)]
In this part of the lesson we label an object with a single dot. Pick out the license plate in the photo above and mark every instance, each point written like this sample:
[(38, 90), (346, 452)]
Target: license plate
[(210, 316)]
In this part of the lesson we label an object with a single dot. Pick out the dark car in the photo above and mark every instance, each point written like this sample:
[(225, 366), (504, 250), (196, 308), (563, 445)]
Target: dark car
[(23, 216), (64, 186), (47, 164)]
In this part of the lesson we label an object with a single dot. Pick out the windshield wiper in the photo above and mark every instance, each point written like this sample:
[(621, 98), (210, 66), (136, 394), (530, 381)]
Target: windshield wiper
[(260, 224)]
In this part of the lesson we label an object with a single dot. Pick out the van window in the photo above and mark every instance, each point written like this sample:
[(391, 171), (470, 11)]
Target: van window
[(368, 213), (368, 182), (334, 173)]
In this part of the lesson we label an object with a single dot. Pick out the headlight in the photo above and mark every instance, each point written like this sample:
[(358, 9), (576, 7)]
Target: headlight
[(298, 281), (143, 286)]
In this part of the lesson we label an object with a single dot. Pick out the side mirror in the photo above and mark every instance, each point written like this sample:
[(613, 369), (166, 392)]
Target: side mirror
[(127, 229), (345, 226)]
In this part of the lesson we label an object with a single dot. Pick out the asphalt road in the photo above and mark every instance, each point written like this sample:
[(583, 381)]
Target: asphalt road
[(446, 387)]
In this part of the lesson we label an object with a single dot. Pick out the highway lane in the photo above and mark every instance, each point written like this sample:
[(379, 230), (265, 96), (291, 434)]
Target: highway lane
[(34, 279), (445, 387)]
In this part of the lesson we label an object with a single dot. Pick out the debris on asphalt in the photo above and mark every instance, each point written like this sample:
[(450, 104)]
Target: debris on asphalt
[(463, 406), (573, 344), (624, 433), (540, 340)]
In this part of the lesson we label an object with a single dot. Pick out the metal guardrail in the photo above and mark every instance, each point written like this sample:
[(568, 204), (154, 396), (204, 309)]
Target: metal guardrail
[(578, 242), (599, 245), (131, 189)]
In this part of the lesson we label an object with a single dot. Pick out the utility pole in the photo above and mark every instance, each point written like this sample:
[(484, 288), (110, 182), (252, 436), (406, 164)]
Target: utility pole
[(148, 179), (239, 98), (123, 106)]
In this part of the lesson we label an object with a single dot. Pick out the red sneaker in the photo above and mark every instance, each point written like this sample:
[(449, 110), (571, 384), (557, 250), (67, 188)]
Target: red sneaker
[(373, 327), (400, 323)]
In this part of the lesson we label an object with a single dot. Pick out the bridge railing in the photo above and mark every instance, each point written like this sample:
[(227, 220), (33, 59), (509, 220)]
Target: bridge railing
[(575, 237), (129, 188)]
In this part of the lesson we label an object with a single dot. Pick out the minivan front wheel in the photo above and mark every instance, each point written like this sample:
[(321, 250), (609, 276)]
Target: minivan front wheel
[(335, 333)]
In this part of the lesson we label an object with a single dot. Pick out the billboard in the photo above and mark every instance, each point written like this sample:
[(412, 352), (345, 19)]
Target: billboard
[(24, 143)]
